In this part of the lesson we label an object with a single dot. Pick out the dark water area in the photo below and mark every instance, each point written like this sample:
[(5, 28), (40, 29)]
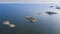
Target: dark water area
[(16, 12)]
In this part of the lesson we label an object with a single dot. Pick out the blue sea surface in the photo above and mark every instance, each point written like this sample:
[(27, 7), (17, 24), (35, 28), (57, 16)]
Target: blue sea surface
[(16, 12)]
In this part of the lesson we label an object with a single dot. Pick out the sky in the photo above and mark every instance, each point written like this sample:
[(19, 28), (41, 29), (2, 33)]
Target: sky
[(54, 1)]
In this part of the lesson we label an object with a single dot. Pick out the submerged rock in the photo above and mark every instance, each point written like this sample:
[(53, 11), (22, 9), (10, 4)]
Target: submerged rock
[(6, 22), (12, 25), (51, 6), (30, 19), (57, 7), (51, 13), (39, 13)]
